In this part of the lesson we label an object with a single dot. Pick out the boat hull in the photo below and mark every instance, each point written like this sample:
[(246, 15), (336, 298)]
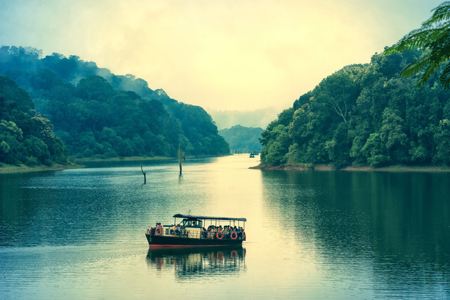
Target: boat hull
[(167, 242)]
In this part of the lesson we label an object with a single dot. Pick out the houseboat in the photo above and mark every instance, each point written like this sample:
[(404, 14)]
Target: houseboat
[(197, 231)]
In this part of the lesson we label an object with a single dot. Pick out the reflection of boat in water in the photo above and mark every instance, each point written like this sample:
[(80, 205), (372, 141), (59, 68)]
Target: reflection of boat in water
[(190, 232), (198, 261)]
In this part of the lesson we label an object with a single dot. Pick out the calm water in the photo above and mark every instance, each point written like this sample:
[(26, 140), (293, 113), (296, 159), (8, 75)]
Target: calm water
[(80, 233)]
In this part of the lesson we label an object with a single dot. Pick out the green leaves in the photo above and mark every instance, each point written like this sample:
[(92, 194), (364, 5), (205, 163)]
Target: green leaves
[(434, 39), (277, 146), (442, 138), (374, 151), (25, 136)]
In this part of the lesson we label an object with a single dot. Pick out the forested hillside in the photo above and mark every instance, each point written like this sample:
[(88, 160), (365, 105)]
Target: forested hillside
[(97, 113), (365, 115), (242, 139), (25, 136), (253, 118)]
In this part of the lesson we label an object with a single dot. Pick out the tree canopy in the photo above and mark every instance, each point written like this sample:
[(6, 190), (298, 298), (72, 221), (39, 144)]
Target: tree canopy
[(97, 113), (365, 115), (25, 136)]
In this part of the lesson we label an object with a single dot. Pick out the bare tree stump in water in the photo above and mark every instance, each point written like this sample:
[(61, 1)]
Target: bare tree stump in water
[(145, 175), (181, 158)]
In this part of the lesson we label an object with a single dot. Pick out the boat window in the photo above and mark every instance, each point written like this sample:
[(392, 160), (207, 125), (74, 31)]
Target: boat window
[(191, 223)]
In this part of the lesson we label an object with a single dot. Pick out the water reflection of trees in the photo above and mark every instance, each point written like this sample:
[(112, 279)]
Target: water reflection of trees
[(397, 224), (192, 263)]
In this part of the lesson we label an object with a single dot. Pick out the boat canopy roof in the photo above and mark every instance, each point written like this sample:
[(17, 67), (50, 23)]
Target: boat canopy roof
[(209, 218)]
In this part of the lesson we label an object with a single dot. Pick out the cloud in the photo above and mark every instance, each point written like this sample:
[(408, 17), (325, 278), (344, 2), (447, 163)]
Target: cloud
[(220, 54)]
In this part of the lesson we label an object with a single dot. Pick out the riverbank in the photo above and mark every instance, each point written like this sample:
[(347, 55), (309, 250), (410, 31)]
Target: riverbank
[(395, 168), (87, 160), (76, 163), (10, 169)]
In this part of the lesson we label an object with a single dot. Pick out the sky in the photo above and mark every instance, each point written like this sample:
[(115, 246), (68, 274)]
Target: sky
[(223, 55)]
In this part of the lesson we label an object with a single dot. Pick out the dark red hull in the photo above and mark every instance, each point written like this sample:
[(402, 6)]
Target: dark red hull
[(167, 242)]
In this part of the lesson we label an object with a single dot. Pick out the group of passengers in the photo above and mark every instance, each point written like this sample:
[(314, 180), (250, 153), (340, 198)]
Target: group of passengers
[(173, 230), (213, 232), (225, 232)]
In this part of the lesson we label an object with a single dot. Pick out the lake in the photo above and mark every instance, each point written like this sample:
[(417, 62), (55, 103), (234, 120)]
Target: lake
[(79, 233)]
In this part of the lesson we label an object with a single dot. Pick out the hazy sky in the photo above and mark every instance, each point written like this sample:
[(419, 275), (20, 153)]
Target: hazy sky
[(223, 55)]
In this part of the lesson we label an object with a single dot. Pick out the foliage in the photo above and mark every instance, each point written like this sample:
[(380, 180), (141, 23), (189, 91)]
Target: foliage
[(434, 38), (97, 113), (25, 136), (242, 139), (364, 115)]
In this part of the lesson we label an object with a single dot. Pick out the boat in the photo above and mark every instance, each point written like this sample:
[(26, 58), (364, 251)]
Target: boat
[(191, 232)]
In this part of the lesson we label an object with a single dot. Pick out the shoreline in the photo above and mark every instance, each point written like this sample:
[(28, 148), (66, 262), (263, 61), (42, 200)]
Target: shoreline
[(22, 169), (75, 163), (82, 161), (328, 168), (88, 160)]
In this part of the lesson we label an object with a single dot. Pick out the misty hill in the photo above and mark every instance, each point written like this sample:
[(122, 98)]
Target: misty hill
[(243, 139), (97, 113), (364, 115), (25, 136), (256, 118)]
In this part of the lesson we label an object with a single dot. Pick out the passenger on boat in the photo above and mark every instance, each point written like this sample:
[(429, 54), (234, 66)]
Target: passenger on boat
[(204, 233), (159, 229)]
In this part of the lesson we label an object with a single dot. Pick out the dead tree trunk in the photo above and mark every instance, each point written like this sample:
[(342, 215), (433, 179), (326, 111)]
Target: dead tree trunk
[(180, 160), (145, 175)]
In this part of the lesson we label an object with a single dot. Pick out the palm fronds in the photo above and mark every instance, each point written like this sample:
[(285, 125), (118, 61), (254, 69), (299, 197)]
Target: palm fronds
[(434, 38)]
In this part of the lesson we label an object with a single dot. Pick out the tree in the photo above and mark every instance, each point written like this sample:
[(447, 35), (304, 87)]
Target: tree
[(275, 151), (25, 136), (442, 138), (434, 39), (242, 139), (375, 151), (393, 137), (364, 114), (98, 113)]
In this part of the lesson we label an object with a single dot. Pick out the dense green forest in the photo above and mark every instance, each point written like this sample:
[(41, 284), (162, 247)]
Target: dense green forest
[(242, 139), (365, 115), (97, 113), (25, 136)]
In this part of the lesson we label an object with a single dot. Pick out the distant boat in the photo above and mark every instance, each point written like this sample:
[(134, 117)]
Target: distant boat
[(191, 232)]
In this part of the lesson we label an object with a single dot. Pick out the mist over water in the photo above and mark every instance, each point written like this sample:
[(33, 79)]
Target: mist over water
[(80, 233)]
